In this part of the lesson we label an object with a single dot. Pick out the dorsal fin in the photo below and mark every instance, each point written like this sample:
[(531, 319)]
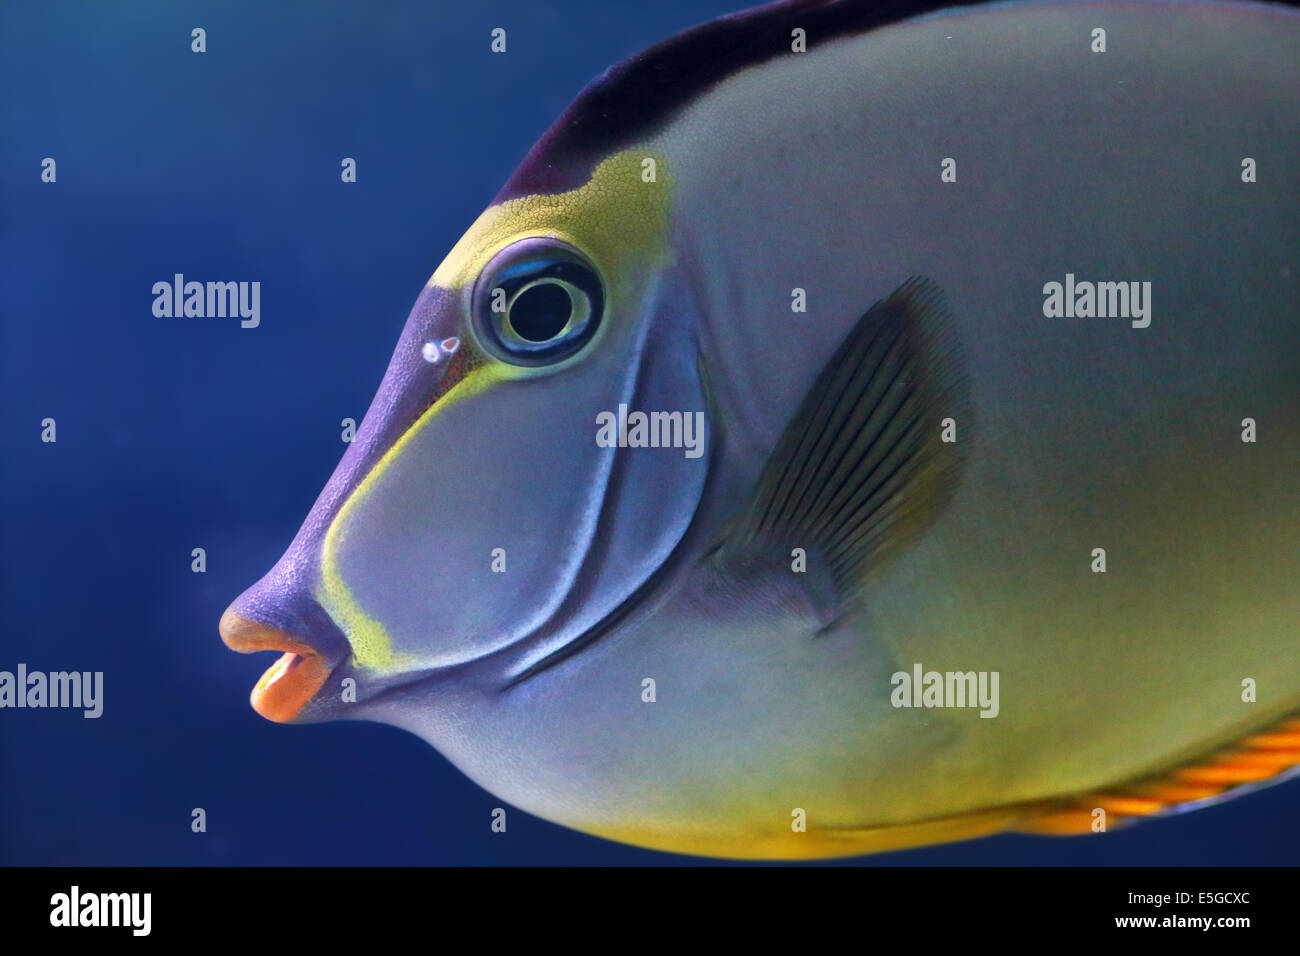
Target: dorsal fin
[(864, 465), (1255, 760), (635, 98)]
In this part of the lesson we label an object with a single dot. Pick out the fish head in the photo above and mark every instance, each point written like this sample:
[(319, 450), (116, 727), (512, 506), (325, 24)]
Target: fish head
[(478, 522)]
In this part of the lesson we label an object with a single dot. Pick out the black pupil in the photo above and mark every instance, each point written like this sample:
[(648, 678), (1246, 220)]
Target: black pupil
[(540, 312)]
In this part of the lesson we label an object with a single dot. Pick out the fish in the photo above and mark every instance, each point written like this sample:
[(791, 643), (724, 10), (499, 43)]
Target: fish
[(741, 484)]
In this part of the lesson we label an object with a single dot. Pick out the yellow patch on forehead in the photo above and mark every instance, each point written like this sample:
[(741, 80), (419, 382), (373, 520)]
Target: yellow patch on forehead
[(615, 219)]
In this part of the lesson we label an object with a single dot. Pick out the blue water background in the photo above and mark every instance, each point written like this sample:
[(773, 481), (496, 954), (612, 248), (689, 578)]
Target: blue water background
[(175, 434)]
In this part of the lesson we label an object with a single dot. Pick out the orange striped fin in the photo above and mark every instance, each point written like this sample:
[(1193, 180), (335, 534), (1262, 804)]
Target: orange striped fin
[(1247, 761)]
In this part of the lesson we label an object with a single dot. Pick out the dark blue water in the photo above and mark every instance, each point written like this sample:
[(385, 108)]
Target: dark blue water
[(176, 434)]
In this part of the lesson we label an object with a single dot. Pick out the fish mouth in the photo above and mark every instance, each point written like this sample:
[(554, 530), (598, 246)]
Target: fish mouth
[(288, 684)]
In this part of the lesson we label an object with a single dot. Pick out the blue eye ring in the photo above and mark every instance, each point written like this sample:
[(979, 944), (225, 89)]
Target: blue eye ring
[(538, 302)]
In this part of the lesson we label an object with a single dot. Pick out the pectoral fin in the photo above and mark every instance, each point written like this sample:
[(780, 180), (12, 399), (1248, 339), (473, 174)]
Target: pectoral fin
[(864, 465)]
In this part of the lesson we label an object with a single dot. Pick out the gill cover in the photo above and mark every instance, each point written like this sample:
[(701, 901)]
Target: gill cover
[(496, 518)]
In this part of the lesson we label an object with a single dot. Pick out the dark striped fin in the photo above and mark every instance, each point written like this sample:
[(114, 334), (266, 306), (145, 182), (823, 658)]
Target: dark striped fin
[(863, 467)]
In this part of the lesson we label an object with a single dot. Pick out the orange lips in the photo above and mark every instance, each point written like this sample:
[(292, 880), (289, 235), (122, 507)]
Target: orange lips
[(288, 683)]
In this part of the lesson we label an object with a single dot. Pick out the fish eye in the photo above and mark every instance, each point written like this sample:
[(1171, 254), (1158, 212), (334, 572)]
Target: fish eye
[(537, 302)]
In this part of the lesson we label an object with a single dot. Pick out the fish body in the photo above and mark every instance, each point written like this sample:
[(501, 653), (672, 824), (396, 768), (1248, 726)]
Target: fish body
[(915, 457)]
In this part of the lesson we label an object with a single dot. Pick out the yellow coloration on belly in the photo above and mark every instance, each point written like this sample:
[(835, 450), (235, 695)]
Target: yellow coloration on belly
[(371, 646), (763, 843), (615, 219)]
